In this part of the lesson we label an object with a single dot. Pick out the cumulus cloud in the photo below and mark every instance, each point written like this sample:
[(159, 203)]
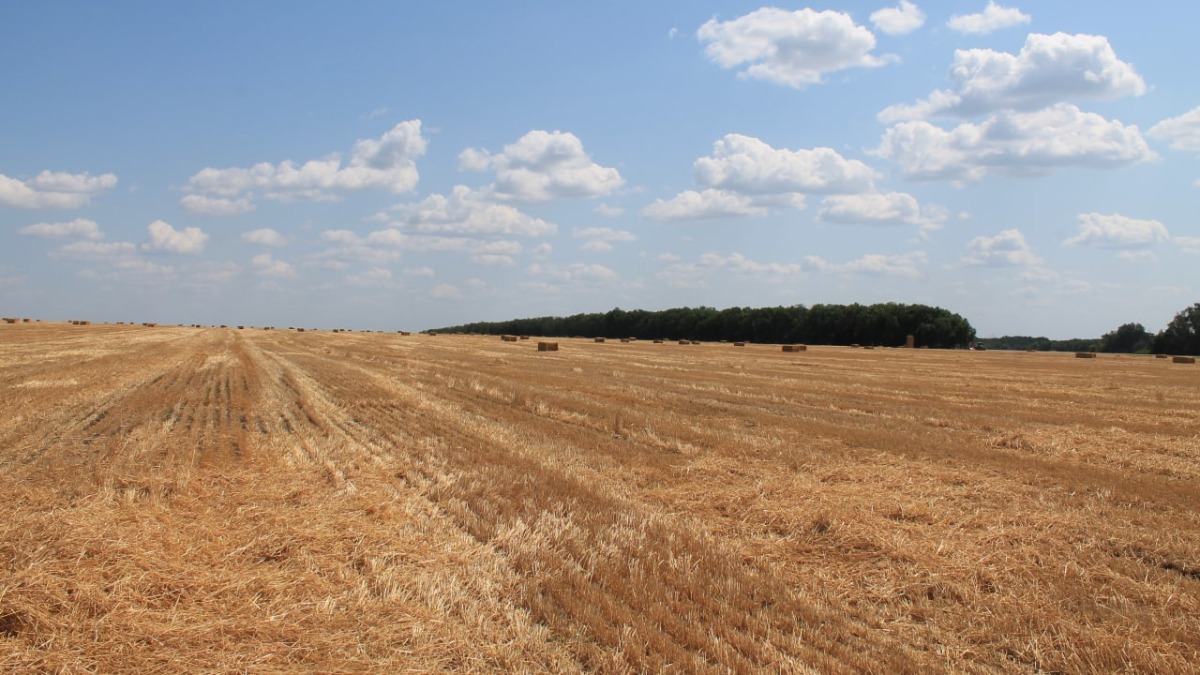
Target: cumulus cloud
[(609, 211), (708, 266), (264, 265), (899, 20), (602, 238), (896, 265), (215, 206), (94, 250), (574, 273), (376, 277), (881, 208), (265, 236), (54, 190), (469, 212), (541, 166), (1188, 244), (711, 204), (1117, 231), (80, 228), (1183, 131), (745, 176), (993, 17), (446, 292), (384, 163), (750, 166), (791, 48), (1007, 248), (1013, 143), (163, 237), (1049, 69)]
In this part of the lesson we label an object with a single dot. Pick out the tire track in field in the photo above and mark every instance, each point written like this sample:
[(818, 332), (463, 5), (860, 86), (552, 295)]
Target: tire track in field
[(592, 562)]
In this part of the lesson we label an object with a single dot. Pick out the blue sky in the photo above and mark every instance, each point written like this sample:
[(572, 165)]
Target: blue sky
[(381, 165)]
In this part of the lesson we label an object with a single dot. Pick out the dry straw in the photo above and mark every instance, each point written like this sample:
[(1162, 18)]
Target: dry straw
[(739, 344), (599, 340), (795, 348)]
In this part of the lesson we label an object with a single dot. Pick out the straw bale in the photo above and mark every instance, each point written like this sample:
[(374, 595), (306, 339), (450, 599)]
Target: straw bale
[(8, 320), (1184, 359), (547, 346), (1085, 355), (795, 348), (739, 344), (1161, 356), (599, 340), (911, 342)]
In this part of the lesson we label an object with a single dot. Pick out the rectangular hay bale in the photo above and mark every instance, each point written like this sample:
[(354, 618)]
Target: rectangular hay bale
[(1085, 355), (547, 346), (1183, 359)]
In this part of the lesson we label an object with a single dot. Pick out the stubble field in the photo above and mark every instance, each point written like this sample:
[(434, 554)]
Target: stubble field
[(180, 499)]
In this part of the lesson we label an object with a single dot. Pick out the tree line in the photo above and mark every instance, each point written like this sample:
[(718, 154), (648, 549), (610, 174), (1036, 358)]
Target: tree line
[(1181, 336), (886, 324)]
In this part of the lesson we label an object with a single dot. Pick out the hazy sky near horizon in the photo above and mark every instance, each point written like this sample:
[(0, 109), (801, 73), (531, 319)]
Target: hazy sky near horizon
[(1034, 167)]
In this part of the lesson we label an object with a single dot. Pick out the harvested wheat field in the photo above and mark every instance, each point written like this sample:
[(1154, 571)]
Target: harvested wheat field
[(182, 499)]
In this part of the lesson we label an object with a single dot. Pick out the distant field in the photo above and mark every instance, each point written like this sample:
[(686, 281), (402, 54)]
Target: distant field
[(188, 499)]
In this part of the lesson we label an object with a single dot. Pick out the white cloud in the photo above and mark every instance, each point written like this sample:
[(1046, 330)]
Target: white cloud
[(1014, 144), (1183, 131), (606, 234), (791, 48), (376, 277), (897, 265), (468, 212), (446, 292), (54, 190), (1007, 248), (609, 211), (1117, 231), (541, 166), (266, 266), (215, 206), (992, 18), (748, 165), (1049, 69), (1188, 244), (130, 269), (385, 163), (710, 204), (94, 250), (80, 228), (714, 265), (1144, 255), (899, 20), (881, 208), (265, 236), (163, 237), (574, 273)]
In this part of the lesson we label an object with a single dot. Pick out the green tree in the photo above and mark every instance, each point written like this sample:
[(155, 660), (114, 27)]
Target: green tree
[(1182, 335), (1130, 338)]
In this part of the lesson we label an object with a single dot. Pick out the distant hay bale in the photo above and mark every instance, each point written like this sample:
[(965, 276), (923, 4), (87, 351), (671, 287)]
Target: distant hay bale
[(9, 320), (1161, 356), (508, 338), (685, 342), (24, 320), (855, 345), (625, 340), (299, 330), (739, 344), (433, 333), (404, 332), (795, 348), (1085, 355), (868, 347), (658, 342), (911, 342), (695, 342), (1031, 349), (241, 328), (1184, 359), (598, 340), (547, 346)]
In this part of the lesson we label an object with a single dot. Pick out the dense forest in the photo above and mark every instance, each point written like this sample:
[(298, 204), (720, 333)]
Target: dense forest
[(886, 324)]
